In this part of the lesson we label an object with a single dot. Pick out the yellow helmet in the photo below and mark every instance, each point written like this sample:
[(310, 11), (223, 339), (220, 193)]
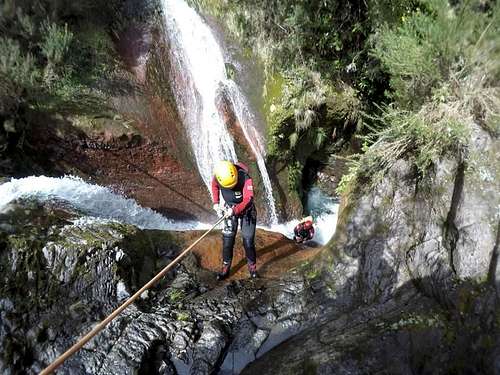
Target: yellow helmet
[(226, 174)]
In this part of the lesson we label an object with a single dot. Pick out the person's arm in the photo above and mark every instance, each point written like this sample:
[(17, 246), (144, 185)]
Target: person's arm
[(247, 197), (311, 232), (215, 191)]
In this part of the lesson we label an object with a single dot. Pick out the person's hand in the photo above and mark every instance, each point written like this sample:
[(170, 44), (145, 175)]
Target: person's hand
[(228, 212), (219, 210)]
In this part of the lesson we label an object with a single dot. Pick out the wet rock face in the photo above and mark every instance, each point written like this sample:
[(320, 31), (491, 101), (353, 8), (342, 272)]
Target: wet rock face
[(58, 278), (411, 282), (243, 149), (61, 274)]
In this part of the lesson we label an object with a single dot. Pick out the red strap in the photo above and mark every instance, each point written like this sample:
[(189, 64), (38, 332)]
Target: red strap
[(242, 166), (215, 191), (247, 197)]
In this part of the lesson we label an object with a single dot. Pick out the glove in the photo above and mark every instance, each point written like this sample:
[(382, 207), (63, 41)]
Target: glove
[(219, 210), (227, 212)]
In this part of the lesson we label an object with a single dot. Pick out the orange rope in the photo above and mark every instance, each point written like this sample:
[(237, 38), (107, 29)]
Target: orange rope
[(80, 343)]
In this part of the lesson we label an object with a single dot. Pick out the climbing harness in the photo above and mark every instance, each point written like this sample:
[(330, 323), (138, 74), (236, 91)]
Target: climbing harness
[(99, 327)]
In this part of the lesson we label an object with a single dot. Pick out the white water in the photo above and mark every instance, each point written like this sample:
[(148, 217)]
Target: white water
[(199, 75), (253, 137), (323, 209), (199, 70), (100, 203), (95, 201)]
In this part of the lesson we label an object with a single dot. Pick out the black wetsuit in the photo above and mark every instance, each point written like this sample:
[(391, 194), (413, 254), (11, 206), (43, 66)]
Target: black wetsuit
[(240, 198)]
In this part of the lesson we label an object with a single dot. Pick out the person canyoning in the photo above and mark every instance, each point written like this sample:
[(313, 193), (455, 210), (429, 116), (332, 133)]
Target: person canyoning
[(233, 182), (304, 230)]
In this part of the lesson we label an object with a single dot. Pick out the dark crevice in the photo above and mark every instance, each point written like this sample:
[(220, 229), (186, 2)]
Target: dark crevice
[(451, 233), (278, 190), (310, 173), (222, 357), (494, 260), (155, 359)]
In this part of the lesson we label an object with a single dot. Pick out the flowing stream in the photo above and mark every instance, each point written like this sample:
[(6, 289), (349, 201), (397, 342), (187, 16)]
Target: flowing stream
[(199, 76), (98, 202)]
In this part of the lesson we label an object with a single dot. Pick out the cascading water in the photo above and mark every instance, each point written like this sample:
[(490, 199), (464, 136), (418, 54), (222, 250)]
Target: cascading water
[(254, 139), (98, 202), (93, 200), (198, 72), (199, 75)]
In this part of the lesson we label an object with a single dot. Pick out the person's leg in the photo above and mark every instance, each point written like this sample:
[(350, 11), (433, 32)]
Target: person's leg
[(228, 236), (248, 224)]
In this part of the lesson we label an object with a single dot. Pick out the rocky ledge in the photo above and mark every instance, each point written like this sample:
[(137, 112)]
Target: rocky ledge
[(62, 273), (409, 284)]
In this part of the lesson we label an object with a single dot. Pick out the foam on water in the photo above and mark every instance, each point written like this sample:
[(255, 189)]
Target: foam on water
[(324, 210), (93, 200), (100, 204)]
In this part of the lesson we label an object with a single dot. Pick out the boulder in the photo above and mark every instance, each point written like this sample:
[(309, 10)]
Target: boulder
[(410, 281), (62, 273)]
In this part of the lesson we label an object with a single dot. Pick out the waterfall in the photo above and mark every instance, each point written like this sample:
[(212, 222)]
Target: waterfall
[(199, 71), (198, 76)]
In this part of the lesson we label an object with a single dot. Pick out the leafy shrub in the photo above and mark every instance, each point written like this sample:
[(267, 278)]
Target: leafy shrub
[(444, 66), (54, 46), (423, 137), (308, 113), (56, 41), (287, 33), (423, 50), (16, 66), (387, 12), (306, 117), (18, 75), (426, 135), (96, 58), (51, 55)]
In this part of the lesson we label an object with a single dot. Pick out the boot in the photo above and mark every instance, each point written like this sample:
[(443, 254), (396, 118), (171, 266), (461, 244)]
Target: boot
[(224, 272), (252, 270)]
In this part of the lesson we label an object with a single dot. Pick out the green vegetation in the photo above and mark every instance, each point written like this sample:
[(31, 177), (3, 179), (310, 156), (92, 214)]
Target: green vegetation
[(316, 71), (416, 321), (404, 77), (53, 54), (422, 136), (434, 46), (443, 64), (176, 295), (183, 316)]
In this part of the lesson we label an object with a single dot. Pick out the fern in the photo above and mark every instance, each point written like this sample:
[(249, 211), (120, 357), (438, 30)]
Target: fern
[(15, 66), (56, 42)]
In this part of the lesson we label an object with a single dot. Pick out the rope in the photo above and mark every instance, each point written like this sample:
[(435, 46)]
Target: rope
[(99, 327)]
